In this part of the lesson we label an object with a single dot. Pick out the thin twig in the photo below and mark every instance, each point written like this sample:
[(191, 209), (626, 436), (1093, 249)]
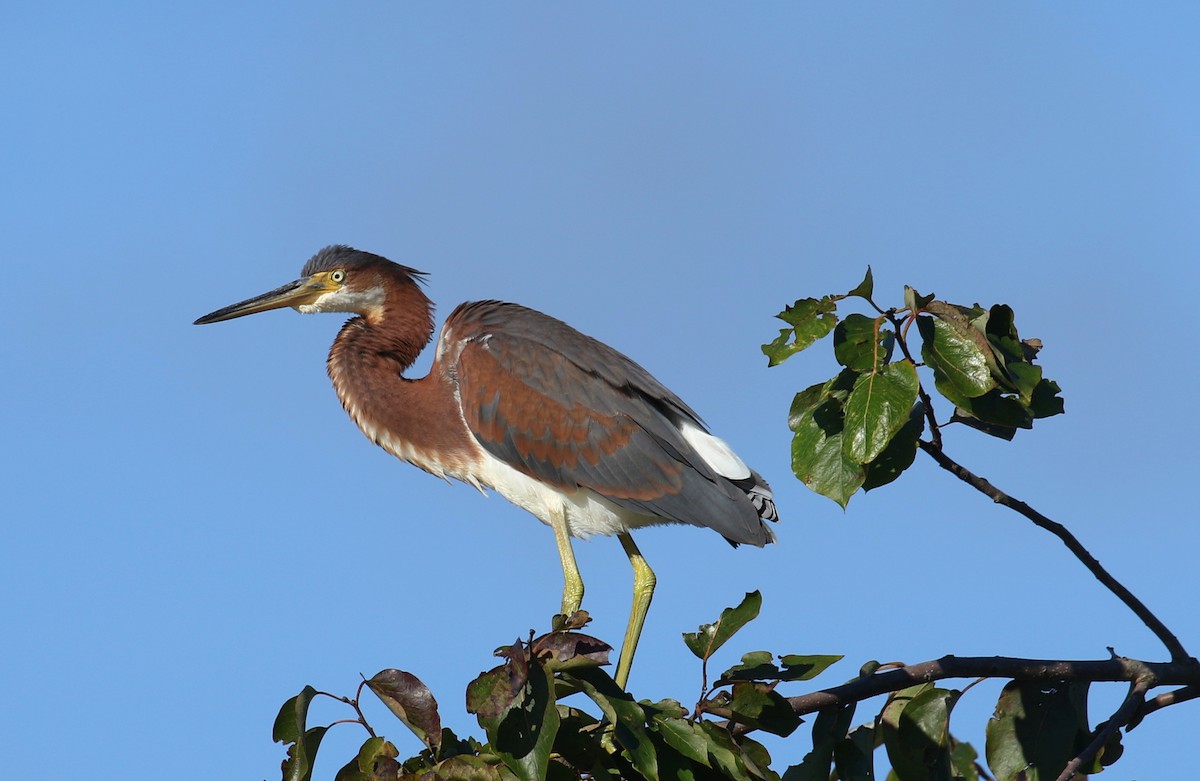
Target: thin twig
[(935, 431), (1176, 649), (1129, 707), (1162, 701)]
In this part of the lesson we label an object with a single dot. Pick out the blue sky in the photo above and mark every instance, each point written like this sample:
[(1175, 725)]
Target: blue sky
[(194, 530)]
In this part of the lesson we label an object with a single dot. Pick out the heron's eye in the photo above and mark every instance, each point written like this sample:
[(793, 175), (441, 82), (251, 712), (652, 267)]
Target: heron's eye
[(338, 276)]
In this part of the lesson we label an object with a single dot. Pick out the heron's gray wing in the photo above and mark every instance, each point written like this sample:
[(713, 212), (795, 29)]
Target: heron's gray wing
[(572, 412)]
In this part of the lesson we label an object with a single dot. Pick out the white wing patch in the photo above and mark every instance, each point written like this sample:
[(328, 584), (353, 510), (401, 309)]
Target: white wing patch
[(715, 452)]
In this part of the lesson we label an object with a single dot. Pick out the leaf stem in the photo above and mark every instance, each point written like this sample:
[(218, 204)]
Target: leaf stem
[(935, 431), (1168, 638)]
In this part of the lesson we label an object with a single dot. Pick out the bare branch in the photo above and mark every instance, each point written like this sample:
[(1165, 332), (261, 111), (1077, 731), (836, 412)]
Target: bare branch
[(1176, 649)]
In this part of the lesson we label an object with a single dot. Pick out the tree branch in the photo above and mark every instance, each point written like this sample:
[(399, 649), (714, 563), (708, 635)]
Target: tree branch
[(1017, 669), (1163, 700), (1176, 649), (1127, 710)]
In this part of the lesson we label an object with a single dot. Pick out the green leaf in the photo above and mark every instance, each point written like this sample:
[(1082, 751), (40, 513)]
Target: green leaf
[(919, 746), (290, 727), (899, 453), (683, 736), (755, 666), (804, 668), (854, 757), (376, 757), (725, 755), (816, 400), (515, 705), (994, 413), (865, 288), (462, 768), (411, 701), (1044, 400), (963, 757), (290, 723), (671, 764), (960, 366), (299, 763), (810, 319), (828, 729), (877, 409), (1036, 730), (709, 637), (889, 717), (758, 705), (627, 717), (818, 456), (861, 344)]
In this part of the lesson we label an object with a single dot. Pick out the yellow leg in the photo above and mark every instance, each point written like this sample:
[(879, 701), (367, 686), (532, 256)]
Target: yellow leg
[(643, 592), (572, 582)]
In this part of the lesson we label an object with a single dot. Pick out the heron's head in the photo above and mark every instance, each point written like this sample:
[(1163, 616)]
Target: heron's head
[(336, 279)]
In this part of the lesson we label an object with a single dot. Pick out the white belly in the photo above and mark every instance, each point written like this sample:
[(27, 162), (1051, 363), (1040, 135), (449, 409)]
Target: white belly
[(587, 513)]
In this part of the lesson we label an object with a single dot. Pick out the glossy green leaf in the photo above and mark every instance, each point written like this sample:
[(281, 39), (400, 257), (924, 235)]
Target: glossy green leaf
[(863, 344), (759, 706), (810, 319), (627, 717), (818, 456), (709, 637), (877, 409), (823, 401), (411, 701), (960, 366), (899, 454), (1036, 730)]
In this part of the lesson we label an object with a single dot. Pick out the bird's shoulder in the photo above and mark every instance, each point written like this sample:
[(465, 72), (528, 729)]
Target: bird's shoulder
[(529, 343)]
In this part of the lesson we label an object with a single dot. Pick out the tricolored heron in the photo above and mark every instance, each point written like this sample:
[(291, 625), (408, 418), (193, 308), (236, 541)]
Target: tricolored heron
[(517, 401)]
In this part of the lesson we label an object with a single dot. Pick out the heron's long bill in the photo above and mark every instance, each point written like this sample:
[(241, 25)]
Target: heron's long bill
[(293, 294)]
